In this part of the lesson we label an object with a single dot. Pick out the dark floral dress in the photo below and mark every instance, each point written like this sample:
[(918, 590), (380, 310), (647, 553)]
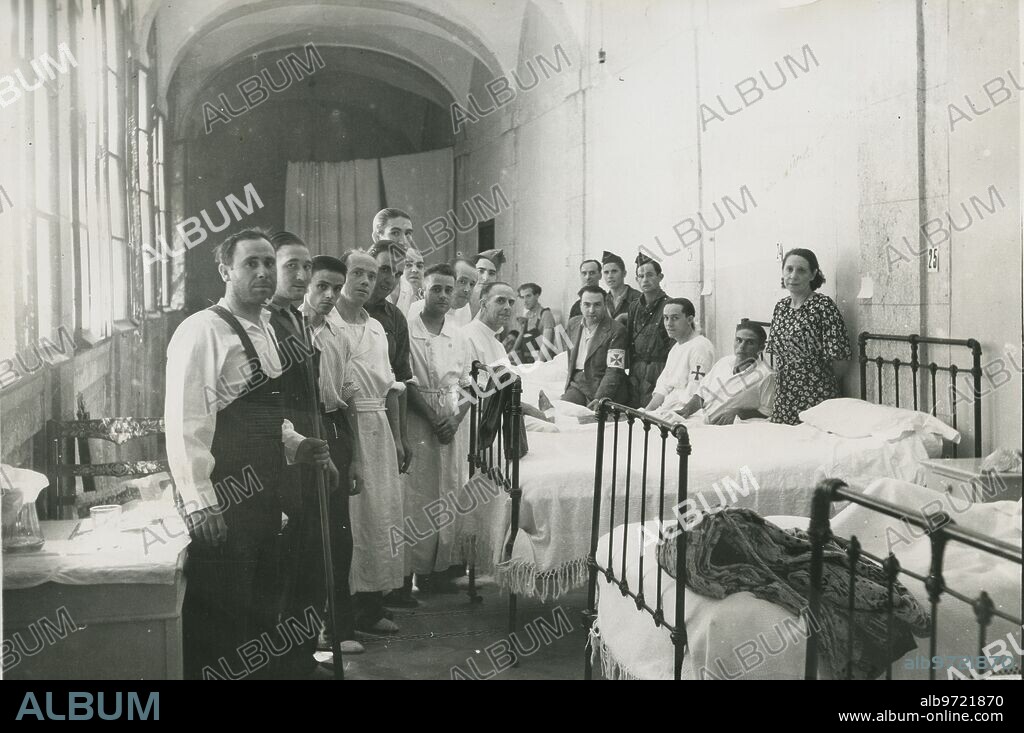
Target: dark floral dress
[(804, 343)]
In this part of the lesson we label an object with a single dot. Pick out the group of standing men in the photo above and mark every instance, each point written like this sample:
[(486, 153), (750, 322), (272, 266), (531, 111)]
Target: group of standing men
[(303, 346)]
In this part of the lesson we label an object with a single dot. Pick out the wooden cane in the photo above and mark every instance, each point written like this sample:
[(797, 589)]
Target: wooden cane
[(325, 529)]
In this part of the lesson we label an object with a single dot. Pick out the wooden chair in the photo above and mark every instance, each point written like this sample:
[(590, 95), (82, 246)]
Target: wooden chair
[(65, 467)]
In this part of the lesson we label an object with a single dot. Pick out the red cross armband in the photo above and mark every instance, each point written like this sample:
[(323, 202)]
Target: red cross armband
[(616, 359)]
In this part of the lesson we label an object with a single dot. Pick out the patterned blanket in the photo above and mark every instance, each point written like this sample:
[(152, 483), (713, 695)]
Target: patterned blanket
[(736, 550)]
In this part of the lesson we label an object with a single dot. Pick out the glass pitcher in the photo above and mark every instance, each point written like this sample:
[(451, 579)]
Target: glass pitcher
[(21, 531)]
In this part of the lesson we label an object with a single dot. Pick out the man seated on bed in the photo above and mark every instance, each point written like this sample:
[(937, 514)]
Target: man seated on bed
[(740, 385), (597, 359), (689, 360)]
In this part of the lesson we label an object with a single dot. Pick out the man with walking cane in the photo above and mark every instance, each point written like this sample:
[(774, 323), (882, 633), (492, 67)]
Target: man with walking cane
[(307, 561)]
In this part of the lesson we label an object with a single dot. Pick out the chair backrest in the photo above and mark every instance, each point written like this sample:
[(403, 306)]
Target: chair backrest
[(63, 468)]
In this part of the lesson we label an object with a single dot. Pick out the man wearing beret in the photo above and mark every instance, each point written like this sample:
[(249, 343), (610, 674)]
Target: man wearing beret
[(620, 296), (648, 341)]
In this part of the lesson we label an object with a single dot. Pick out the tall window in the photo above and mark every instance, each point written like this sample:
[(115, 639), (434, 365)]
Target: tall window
[(155, 244), (101, 219)]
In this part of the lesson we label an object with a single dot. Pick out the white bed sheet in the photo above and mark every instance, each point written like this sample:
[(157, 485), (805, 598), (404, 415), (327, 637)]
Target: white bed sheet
[(734, 637), (557, 482)]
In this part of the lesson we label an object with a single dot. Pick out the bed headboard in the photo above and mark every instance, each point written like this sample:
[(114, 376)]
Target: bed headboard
[(924, 376)]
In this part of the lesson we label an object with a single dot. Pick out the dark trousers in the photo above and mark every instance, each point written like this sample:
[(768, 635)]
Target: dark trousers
[(643, 378), (340, 441), (231, 602)]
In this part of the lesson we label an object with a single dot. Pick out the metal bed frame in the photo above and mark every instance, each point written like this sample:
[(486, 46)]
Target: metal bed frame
[(607, 409), (940, 530), (915, 365), (678, 630), (492, 459)]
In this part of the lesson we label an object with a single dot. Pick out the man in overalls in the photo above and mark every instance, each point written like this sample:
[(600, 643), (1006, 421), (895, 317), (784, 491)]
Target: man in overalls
[(227, 444)]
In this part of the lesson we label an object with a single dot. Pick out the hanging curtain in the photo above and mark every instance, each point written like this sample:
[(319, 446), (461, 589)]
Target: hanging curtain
[(421, 184), (331, 205)]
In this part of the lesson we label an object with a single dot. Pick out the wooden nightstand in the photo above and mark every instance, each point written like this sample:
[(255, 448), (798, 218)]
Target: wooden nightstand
[(963, 478)]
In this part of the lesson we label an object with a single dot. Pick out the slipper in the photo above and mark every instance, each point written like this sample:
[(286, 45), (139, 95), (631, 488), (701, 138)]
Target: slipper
[(384, 626), (398, 599)]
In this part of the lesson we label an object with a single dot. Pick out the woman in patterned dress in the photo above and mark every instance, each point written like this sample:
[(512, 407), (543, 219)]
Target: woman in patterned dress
[(808, 340)]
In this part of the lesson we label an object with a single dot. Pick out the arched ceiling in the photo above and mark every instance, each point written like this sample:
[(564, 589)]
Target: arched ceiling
[(446, 39)]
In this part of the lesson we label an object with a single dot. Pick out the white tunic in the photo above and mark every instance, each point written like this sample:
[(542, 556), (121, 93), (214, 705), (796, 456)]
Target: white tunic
[(686, 365), (460, 317), (207, 370), (483, 344), (751, 389), (404, 295), (379, 506), (440, 364)]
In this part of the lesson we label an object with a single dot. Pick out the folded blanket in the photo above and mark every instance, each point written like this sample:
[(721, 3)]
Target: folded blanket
[(736, 550)]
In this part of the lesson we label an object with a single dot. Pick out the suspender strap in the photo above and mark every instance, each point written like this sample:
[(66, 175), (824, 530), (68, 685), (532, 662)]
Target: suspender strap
[(250, 350)]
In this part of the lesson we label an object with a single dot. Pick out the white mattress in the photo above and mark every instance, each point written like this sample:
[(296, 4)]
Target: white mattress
[(557, 482), (733, 637)]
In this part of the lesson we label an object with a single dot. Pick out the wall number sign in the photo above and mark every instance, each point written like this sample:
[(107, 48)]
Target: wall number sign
[(933, 259)]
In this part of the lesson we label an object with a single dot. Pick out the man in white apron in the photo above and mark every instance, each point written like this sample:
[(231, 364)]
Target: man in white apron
[(377, 508), (440, 365)]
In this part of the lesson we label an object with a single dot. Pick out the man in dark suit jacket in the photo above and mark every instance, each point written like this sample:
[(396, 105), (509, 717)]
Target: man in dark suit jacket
[(597, 359)]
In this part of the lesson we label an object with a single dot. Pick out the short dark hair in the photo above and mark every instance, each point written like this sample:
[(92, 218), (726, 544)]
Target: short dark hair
[(441, 268), (383, 216), (224, 253), (532, 287), (488, 287), (590, 289), (331, 264), (282, 239), (464, 260), (382, 246), (653, 263), (596, 262), (754, 328), (812, 260), (687, 306)]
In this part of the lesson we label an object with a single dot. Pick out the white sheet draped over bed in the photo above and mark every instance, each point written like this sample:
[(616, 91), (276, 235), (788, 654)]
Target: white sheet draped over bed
[(770, 468)]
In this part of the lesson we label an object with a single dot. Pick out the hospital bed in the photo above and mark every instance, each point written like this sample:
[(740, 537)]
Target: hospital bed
[(967, 572)]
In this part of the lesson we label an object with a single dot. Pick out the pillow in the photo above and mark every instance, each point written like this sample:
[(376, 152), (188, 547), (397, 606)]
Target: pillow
[(851, 418)]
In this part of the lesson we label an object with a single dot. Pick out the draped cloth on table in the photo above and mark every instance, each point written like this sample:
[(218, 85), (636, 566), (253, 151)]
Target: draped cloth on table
[(736, 550)]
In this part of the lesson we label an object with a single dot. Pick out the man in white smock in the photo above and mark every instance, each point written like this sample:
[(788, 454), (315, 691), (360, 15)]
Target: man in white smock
[(378, 451)]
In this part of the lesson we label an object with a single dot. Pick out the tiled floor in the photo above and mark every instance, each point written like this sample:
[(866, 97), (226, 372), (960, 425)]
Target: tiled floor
[(446, 638)]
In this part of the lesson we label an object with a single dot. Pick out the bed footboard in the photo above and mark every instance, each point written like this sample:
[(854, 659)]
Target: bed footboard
[(940, 530), (610, 412)]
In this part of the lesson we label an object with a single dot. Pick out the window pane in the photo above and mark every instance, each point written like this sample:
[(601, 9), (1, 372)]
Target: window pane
[(42, 150), (117, 198), (114, 124), (148, 246), (145, 169), (40, 29), (143, 111), (112, 23), (44, 277), (23, 41)]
